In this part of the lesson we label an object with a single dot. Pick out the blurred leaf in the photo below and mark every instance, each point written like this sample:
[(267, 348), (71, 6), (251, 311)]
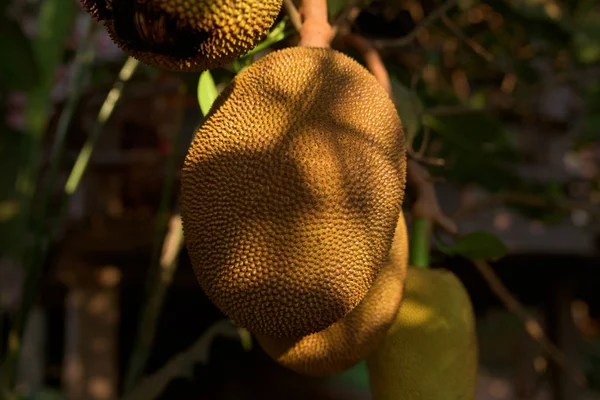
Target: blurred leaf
[(587, 37), (409, 109), (54, 24), (478, 100), (465, 4), (207, 92), (242, 63), (590, 26), (181, 365), (18, 69), (356, 377), (12, 144), (277, 34), (589, 134), (476, 130), (477, 150), (46, 394), (245, 338), (8, 210), (481, 245), (550, 194), (525, 72), (539, 10), (536, 18), (335, 6)]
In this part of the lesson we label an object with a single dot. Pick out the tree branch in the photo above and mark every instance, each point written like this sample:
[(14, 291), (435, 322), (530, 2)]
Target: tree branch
[(293, 13), (372, 58), (532, 326), (347, 16), (153, 306), (473, 45), (408, 39), (427, 206), (181, 365)]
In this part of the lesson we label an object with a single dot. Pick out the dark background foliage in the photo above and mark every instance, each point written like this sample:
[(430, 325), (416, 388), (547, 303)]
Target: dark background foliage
[(499, 99)]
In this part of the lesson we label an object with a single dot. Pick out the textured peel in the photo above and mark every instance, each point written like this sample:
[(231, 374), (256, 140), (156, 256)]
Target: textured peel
[(291, 191), (355, 336), (430, 352), (185, 35)]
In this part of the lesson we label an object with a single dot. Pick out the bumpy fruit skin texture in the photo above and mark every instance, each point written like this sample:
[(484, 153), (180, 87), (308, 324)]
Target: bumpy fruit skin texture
[(430, 352), (185, 35), (291, 191), (354, 337)]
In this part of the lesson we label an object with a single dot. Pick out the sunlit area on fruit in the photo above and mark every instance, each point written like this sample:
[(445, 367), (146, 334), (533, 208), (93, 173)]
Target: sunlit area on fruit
[(300, 199)]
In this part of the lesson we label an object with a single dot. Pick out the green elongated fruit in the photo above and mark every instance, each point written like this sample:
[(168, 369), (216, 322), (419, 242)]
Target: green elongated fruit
[(430, 352)]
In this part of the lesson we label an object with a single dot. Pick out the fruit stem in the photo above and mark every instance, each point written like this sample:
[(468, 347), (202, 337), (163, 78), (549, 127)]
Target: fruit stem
[(420, 242), (426, 212), (315, 31)]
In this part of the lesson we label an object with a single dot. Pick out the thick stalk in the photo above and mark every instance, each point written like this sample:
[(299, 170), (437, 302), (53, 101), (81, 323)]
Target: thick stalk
[(315, 31), (420, 243)]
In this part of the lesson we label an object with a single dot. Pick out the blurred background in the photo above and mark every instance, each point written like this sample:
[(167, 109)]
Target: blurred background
[(500, 100)]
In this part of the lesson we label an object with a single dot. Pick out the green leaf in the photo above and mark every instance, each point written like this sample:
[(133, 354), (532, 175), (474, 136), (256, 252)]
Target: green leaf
[(12, 144), (242, 63), (477, 150), (207, 92), (356, 377), (334, 7), (409, 109), (587, 37), (18, 70), (480, 245), (542, 25), (551, 194), (277, 34), (54, 24), (245, 339), (47, 394)]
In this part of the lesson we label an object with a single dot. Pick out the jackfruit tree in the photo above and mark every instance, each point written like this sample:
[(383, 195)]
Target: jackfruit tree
[(308, 198)]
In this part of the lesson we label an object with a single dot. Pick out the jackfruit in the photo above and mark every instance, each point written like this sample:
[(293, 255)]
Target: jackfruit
[(291, 191), (430, 352), (354, 337), (185, 35)]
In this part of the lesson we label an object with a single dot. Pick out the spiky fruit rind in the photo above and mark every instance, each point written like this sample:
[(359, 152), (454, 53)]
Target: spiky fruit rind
[(354, 337), (185, 35), (430, 352), (291, 191)]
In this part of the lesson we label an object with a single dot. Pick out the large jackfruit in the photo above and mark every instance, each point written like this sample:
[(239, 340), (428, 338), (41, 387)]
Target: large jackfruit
[(355, 336), (185, 35), (430, 352), (291, 191)]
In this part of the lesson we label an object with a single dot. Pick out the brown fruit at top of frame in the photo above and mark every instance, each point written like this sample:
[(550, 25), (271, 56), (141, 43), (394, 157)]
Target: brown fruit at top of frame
[(185, 35)]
